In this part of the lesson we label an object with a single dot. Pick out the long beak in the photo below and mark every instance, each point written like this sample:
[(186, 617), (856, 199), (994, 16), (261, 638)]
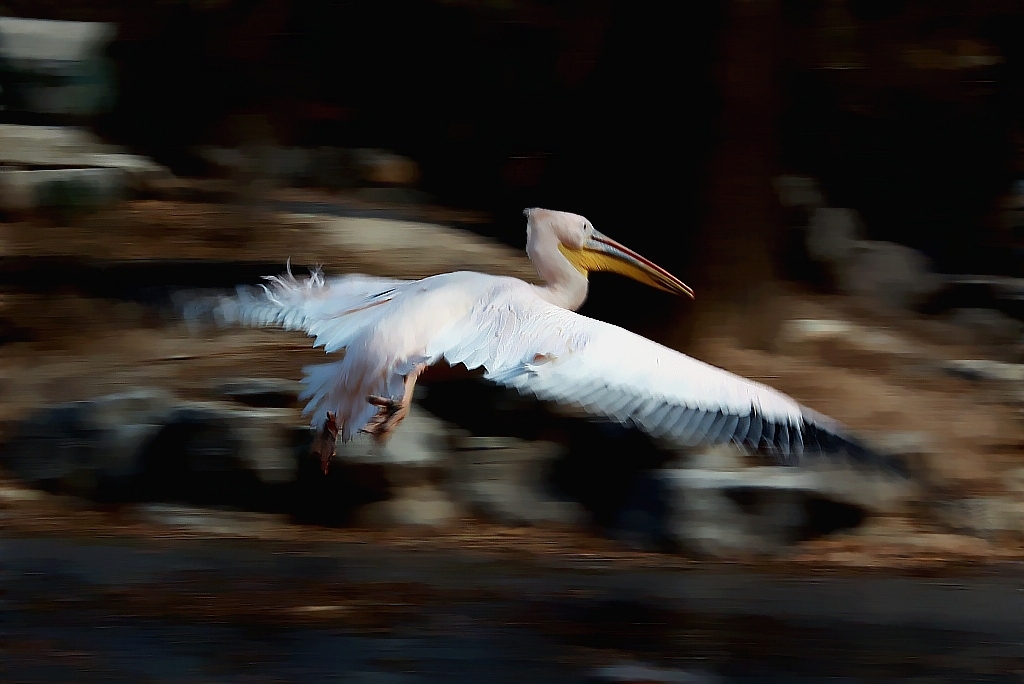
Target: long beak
[(601, 253)]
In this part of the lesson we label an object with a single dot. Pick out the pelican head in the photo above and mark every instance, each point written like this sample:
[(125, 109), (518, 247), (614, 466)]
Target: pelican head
[(588, 250)]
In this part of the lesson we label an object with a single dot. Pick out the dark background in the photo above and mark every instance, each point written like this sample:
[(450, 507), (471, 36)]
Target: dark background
[(664, 124)]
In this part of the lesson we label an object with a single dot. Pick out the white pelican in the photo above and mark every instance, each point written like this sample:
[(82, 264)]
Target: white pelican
[(523, 336)]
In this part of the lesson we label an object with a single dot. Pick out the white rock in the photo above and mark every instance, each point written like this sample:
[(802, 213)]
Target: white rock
[(983, 515), (886, 272), (60, 146), (260, 436), (26, 190), (211, 520), (833, 233), (12, 495), (764, 509), (417, 505), (420, 440), (86, 441), (31, 40), (503, 479), (810, 330)]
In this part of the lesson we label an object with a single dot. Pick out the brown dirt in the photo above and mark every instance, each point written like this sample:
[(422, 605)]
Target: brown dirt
[(166, 229)]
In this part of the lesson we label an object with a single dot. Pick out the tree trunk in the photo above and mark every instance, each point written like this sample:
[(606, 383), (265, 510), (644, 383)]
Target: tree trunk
[(734, 262)]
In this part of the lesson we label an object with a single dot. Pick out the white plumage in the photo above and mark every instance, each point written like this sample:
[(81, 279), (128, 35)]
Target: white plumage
[(524, 336)]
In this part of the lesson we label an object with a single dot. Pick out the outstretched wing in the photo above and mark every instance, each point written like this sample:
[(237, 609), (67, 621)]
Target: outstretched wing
[(524, 342), (561, 356)]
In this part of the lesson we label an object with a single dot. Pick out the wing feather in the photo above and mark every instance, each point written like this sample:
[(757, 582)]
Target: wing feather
[(316, 304), (782, 439), (727, 430), (523, 342), (702, 431), (754, 434), (741, 429), (559, 355), (767, 432), (666, 417)]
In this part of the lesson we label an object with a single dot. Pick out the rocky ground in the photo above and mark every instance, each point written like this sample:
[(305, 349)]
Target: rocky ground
[(161, 518), (87, 313)]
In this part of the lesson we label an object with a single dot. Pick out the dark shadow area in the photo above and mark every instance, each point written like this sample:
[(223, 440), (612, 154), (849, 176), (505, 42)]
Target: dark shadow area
[(606, 109), (825, 516), (196, 461), (192, 611), (602, 462)]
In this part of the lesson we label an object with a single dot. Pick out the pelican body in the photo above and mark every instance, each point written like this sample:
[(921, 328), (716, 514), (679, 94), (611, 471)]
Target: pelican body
[(526, 337)]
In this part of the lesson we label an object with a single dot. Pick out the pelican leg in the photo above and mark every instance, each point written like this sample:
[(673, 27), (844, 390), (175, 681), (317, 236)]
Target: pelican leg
[(391, 412), (326, 441)]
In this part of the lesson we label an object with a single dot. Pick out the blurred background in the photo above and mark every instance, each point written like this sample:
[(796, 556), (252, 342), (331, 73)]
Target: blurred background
[(842, 181)]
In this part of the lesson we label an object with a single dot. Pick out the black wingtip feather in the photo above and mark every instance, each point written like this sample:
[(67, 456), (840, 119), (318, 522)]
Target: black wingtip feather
[(828, 442)]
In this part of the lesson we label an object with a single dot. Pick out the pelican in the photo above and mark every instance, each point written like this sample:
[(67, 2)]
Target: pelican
[(524, 336)]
